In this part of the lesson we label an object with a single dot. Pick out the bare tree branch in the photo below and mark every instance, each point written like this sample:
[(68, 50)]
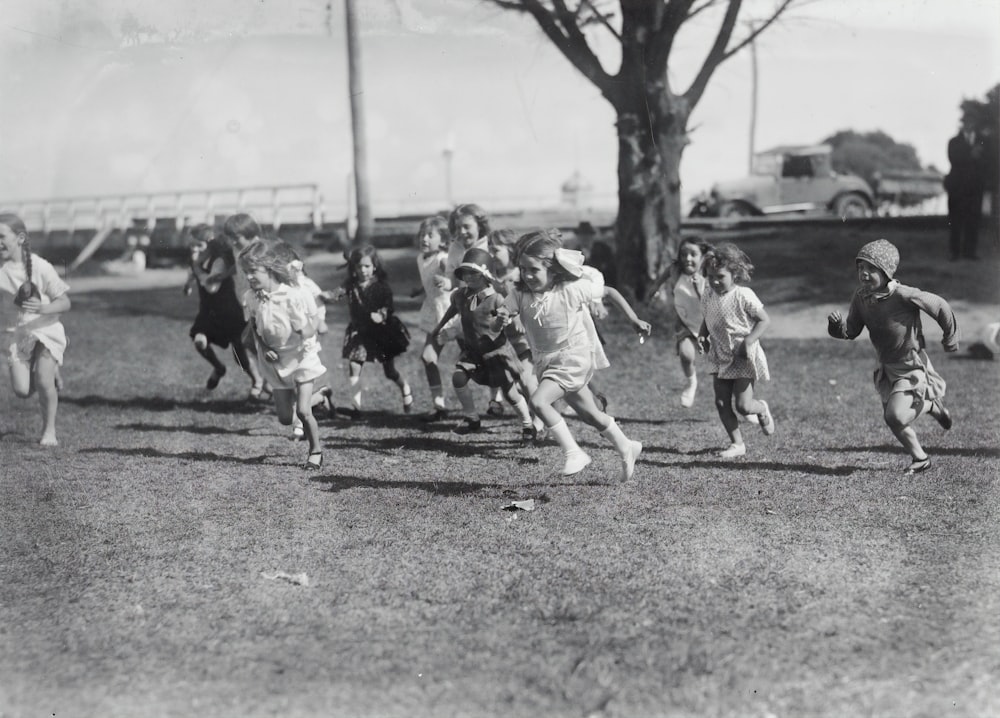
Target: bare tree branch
[(758, 29), (602, 18), (708, 4), (715, 55)]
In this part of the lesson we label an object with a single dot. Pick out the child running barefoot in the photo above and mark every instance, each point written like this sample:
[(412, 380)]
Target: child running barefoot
[(375, 333), (220, 319), (551, 299), (734, 320), (684, 285), (907, 383), (38, 339), (432, 239), (487, 357), (284, 319)]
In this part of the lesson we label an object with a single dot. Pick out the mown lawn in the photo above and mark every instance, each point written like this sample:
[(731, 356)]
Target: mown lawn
[(810, 578)]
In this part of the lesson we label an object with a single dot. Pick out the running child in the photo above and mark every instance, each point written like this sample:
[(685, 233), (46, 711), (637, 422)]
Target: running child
[(375, 333), (283, 321), (905, 379), (683, 286), (734, 320), (551, 300), (37, 340), (433, 239), (486, 355), (220, 319), (501, 244), (239, 230)]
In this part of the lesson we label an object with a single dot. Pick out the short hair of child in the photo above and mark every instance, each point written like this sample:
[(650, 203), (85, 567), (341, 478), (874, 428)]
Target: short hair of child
[(354, 258), (242, 225), (728, 256), (541, 244), (469, 210), (202, 233), (438, 224), (269, 256), (695, 241)]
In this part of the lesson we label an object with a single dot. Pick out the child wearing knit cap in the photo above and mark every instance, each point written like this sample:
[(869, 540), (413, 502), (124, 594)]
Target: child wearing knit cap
[(905, 379)]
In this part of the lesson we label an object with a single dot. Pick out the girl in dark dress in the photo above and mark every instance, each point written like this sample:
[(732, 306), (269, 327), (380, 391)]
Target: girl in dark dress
[(375, 333), (220, 319)]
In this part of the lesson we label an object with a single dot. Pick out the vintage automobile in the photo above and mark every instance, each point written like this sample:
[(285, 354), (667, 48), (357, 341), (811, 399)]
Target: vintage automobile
[(789, 180)]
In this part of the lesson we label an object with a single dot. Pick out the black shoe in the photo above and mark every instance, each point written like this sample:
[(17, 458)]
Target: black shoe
[(214, 377), (528, 435), (495, 408), (941, 415), (918, 465), (468, 426), (436, 415)]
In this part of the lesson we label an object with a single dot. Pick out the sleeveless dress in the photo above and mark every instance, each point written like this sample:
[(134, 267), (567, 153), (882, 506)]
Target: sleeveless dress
[(30, 328)]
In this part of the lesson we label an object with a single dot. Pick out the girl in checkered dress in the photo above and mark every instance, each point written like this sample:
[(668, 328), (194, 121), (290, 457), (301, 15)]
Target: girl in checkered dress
[(734, 320)]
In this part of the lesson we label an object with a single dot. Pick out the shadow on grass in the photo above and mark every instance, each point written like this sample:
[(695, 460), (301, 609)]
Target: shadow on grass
[(185, 429), (339, 483), (990, 451), (159, 403), (187, 455), (743, 465), (450, 445)]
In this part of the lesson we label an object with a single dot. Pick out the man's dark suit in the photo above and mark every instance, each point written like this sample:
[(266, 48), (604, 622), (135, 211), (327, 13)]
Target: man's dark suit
[(964, 184)]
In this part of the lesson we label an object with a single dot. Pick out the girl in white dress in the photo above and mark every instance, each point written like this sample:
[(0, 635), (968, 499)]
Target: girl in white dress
[(284, 320), (734, 322), (433, 238), (552, 299), (36, 342)]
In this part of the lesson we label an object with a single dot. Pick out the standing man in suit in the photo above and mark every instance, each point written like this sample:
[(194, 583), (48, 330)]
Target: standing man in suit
[(964, 184)]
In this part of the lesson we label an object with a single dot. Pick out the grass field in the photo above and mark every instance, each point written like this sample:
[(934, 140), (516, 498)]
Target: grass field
[(810, 578)]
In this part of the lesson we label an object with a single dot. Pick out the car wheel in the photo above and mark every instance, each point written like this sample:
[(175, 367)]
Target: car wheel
[(851, 206), (734, 210)]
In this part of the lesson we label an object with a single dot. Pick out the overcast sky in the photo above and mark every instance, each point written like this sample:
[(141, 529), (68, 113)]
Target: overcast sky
[(253, 92)]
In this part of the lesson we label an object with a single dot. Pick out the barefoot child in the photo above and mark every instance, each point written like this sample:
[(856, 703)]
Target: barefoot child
[(551, 299), (905, 380), (734, 320), (37, 340), (284, 320)]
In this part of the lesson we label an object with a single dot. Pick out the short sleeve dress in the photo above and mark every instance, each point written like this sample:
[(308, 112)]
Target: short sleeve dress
[(365, 339), (278, 318), (564, 343), (729, 318), (30, 328)]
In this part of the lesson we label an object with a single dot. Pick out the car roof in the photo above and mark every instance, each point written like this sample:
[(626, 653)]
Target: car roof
[(798, 150)]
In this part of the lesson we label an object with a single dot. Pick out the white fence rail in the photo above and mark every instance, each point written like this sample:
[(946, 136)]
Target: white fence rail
[(271, 205)]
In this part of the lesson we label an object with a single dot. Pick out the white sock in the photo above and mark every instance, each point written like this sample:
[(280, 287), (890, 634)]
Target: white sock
[(355, 382), (560, 432), (614, 433)]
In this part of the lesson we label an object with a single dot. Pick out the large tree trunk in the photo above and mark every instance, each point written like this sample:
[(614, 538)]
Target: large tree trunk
[(651, 138)]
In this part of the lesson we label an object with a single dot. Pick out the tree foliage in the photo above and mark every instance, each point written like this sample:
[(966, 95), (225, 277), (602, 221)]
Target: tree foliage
[(652, 113), (868, 153)]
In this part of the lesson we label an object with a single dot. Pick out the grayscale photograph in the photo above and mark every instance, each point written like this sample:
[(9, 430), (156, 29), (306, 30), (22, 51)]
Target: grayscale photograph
[(500, 358)]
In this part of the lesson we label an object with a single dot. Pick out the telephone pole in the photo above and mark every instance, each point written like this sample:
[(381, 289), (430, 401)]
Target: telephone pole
[(366, 224)]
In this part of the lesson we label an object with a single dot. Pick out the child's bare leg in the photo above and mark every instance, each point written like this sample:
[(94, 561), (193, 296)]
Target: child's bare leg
[(724, 405), (303, 410), (354, 380), (430, 355), (744, 399), (900, 412), (687, 350), (547, 393), (21, 378), (48, 396)]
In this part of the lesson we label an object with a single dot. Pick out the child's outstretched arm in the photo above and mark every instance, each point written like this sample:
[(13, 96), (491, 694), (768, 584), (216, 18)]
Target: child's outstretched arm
[(450, 312), (641, 327)]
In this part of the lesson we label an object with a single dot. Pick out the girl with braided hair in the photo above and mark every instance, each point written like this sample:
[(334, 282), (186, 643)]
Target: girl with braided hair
[(37, 340)]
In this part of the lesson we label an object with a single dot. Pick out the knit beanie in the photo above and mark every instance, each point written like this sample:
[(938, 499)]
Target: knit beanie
[(882, 254)]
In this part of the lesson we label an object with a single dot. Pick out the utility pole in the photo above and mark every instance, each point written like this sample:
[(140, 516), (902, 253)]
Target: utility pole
[(366, 224), (753, 99), (448, 152)]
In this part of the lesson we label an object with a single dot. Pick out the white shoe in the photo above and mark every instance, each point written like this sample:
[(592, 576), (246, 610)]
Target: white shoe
[(766, 420), (687, 396), (297, 431), (734, 451), (749, 418), (576, 461), (628, 461)]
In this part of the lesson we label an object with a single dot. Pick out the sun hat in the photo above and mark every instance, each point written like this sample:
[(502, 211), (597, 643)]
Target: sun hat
[(882, 254), (475, 260)]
